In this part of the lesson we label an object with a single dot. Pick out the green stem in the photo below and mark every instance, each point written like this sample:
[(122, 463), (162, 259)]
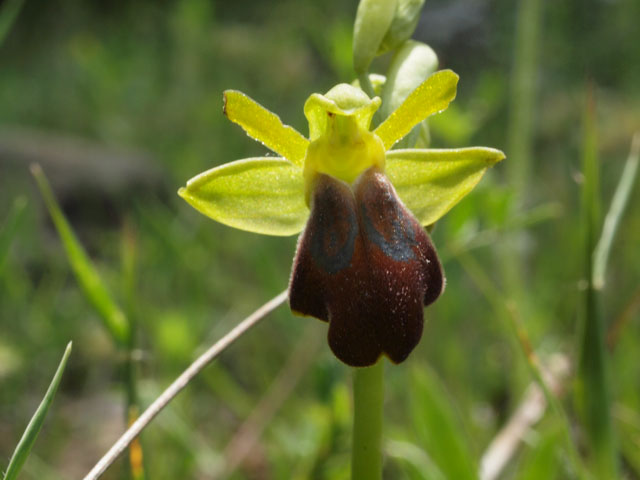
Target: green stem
[(368, 397), (593, 388), (520, 136), (367, 87), (365, 84), (523, 95)]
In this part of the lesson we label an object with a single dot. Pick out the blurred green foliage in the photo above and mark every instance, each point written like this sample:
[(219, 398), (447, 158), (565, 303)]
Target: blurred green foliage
[(148, 77)]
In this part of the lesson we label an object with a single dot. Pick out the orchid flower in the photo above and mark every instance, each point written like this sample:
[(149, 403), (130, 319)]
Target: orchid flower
[(364, 262)]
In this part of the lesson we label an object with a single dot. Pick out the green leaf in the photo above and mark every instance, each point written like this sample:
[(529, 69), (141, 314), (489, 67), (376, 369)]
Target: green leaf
[(439, 428), (86, 274), (33, 429), (265, 126), (612, 219), (628, 426), (430, 182), (373, 19), (593, 386), (432, 96), (261, 195), (417, 463), (10, 228)]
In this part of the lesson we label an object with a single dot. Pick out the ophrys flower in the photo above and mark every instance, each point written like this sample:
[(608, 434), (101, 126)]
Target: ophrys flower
[(364, 263)]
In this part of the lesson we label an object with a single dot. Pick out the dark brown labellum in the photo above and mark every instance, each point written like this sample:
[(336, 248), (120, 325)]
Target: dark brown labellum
[(365, 265)]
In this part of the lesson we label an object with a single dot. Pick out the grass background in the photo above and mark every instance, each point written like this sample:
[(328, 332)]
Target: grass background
[(133, 92)]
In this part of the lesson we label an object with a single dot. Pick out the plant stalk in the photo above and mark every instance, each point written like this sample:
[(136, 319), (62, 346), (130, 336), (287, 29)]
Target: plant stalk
[(368, 397), (594, 384)]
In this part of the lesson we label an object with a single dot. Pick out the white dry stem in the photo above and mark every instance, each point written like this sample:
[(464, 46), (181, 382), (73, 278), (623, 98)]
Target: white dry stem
[(506, 442), (180, 383)]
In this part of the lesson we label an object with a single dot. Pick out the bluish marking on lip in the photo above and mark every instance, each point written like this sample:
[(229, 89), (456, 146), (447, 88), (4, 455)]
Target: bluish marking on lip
[(335, 232), (402, 239)]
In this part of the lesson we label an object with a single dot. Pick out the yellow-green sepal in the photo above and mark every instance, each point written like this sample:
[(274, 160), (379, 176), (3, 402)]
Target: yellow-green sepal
[(432, 96), (262, 195), (265, 126), (431, 182)]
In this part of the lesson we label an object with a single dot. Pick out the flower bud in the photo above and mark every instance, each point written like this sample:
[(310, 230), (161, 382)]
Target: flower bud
[(405, 20), (373, 20)]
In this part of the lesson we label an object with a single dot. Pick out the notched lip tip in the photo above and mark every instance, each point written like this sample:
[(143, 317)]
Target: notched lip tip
[(380, 358)]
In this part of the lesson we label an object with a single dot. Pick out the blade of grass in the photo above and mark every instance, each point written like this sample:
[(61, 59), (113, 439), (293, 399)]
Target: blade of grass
[(10, 228), (523, 95), (520, 135), (8, 13), (439, 428), (628, 420), (415, 458), (593, 393), (612, 220), (31, 433), (541, 462), (86, 274)]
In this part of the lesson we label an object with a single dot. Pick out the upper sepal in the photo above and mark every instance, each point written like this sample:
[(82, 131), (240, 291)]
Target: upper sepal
[(343, 99)]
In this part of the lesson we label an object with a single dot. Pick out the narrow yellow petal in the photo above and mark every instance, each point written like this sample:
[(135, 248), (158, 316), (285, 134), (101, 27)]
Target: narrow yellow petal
[(432, 96), (265, 126)]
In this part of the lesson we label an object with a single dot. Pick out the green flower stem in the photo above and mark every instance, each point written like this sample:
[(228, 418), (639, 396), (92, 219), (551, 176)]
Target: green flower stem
[(366, 85), (521, 134), (368, 397)]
